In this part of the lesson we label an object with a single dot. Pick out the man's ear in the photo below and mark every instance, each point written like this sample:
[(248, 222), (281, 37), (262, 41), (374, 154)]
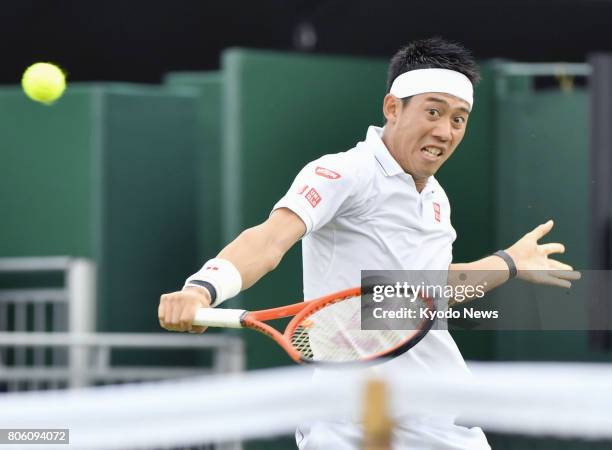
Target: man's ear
[(391, 108)]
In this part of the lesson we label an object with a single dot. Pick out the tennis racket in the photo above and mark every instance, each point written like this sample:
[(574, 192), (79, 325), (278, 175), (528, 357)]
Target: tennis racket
[(326, 329)]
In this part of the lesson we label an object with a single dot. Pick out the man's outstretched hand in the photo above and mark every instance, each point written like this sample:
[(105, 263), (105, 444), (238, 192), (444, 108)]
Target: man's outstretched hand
[(533, 262)]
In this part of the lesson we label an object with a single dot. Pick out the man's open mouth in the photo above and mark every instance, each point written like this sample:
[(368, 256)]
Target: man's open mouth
[(432, 152)]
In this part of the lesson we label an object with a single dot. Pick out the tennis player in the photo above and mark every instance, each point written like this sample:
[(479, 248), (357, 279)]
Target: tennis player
[(378, 206)]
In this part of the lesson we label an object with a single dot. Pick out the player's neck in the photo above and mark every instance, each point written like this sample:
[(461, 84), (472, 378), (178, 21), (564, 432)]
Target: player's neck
[(420, 183)]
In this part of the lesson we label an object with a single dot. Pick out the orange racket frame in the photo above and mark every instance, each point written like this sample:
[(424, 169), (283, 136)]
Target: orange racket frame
[(256, 321)]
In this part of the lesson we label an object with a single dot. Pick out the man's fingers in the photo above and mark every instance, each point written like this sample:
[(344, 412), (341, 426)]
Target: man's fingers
[(198, 330), (187, 316), (542, 230), (560, 278), (548, 277), (175, 316), (566, 274), (558, 282), (552, 248), (161, 312), (558, 265)]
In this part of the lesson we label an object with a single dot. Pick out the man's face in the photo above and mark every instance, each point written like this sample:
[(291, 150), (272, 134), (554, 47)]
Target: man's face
[(424, 132)]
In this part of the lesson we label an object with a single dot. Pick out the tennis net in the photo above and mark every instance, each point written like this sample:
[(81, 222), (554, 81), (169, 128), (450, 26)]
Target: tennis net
[(564, 401)]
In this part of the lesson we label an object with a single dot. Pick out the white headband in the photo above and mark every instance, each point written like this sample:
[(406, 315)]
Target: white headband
[(421, 81)]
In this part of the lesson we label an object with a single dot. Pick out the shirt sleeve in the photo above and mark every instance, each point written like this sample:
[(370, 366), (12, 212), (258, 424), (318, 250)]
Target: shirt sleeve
[(322, 190)]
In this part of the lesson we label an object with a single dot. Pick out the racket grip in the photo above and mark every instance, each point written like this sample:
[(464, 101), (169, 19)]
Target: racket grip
[(224, 318)]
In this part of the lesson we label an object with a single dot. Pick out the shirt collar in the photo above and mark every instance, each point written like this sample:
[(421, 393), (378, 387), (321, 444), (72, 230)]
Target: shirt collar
[(387, 162), (381, 153)]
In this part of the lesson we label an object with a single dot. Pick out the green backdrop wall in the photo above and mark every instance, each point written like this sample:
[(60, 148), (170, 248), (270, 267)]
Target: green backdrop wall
[(207, 87), (105, 173)]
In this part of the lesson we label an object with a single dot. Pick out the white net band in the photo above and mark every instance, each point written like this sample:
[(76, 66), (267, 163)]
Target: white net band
[(540, 399)]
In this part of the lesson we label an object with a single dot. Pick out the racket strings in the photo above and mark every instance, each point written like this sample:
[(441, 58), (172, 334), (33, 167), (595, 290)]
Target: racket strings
[(334, 333), (301, 342)]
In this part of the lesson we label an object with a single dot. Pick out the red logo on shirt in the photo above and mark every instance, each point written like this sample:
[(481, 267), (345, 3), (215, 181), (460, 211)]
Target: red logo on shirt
[(302, 189), (313, 197), (436, 207), (327, 173)]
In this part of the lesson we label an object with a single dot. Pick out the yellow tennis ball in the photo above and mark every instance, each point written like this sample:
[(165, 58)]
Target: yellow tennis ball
[(43, 82)]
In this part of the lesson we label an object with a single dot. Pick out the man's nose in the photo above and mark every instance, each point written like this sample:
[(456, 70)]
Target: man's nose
[(442, 131)]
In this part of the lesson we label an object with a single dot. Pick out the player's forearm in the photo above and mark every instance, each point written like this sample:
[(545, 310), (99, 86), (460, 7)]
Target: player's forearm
[(488, 273), (258, 250), (254, 253)]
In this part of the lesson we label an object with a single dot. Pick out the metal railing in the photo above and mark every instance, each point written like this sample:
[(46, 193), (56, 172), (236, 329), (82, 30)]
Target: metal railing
[(48, 339), (545, 69), (67, 308), (96, 368)]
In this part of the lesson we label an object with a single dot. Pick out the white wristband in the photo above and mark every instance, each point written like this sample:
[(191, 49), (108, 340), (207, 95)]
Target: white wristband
[(222, 275)]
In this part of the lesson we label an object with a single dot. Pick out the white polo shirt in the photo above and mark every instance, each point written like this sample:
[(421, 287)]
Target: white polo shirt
[(363, 212)]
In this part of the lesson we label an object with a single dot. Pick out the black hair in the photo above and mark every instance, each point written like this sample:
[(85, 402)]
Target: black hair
[(433, 53)]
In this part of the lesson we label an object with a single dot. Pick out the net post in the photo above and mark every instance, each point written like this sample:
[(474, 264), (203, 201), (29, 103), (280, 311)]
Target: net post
[(377, 422), (81, 285)]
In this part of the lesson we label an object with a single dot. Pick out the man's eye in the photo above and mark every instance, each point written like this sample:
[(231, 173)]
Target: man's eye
[(433, 112), (460, 120)]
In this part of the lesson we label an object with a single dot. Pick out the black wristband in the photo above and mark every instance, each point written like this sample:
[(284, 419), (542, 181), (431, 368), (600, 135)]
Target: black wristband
[(509, 261), (208, 286)]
